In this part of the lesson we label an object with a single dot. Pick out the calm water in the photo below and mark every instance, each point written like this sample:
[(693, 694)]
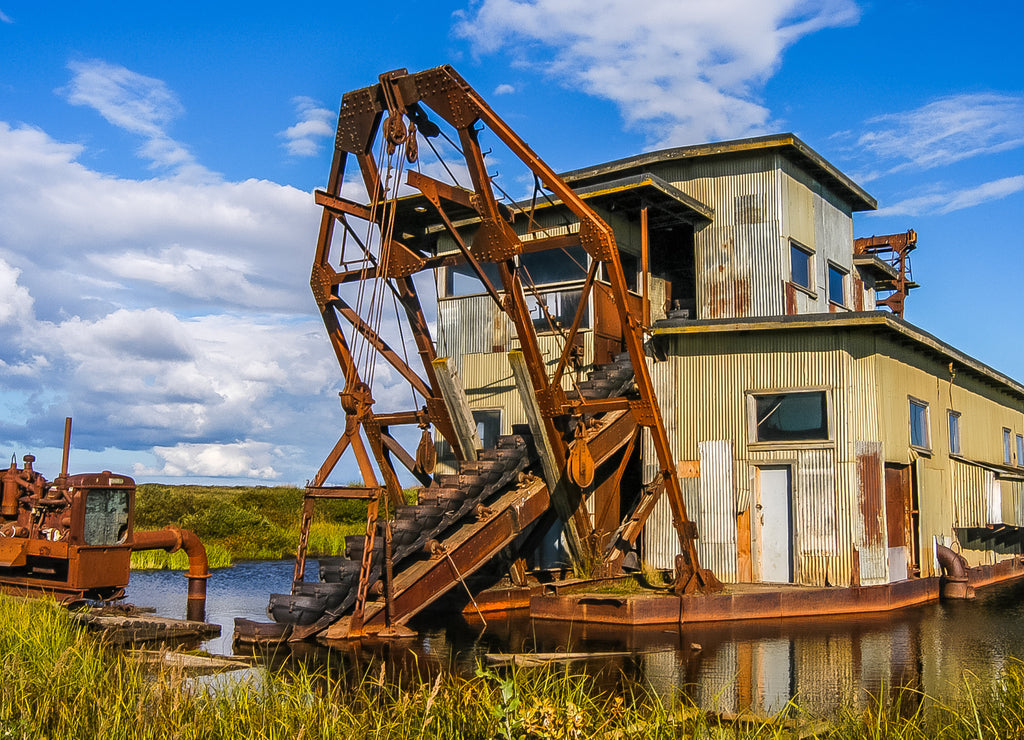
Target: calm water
[(823, 663)]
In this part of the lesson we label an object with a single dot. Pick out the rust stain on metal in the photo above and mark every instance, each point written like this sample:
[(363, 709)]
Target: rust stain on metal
[(729, 299), (870, 495)]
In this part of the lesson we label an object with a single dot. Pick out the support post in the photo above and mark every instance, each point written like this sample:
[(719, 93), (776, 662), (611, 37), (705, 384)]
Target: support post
[(645, 266), (458, 408), (554, 476)]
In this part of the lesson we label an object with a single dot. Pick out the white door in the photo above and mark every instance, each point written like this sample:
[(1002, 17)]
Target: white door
[(774, 517)]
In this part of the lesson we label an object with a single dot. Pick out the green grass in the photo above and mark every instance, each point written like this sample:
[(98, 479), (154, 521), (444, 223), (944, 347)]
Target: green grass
[(57, 681), (216, 554), (242, 522)]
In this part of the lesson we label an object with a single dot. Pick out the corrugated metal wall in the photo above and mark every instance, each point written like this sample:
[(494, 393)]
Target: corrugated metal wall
[(469, 325), (715, 372), (761, 202), (716, 516), (1013, 502), (817, 521), (869, 524), (739, 259), (970, 494)]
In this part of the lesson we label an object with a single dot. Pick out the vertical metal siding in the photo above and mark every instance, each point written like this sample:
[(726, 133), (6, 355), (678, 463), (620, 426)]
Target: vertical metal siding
[(739, 259), (869, 525), (660, 541), (816, 518), (715, 372), (1013, 503), (994, 499), (716, 520), (969, 494)]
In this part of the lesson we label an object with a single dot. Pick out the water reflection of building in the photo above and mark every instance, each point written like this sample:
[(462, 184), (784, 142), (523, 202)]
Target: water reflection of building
[(823, 665), (759, 667), (830, 441)]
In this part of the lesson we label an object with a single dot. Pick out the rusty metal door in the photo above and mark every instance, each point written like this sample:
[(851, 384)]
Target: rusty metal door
[(774, 517), (898, 512)]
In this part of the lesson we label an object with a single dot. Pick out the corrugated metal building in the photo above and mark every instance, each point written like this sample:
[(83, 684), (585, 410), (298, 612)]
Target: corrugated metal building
[(832, 443)]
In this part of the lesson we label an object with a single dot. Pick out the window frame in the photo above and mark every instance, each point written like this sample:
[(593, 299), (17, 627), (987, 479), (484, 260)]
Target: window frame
[(926, 426), (953, 419), (482, 417), (844, 275), (810, 287), (1007, 446), (1020, 451), (810, 443)]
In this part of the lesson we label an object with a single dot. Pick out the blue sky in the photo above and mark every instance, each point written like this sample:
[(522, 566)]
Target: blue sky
[(157, 163)]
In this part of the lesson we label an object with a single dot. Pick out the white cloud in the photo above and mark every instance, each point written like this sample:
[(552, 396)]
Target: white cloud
[(683, 72), (17, 305), (4, 18), (504, 89), (140, 105), (171, 317), (314, 124), (941, 203), (246, 459), (243, 244), (946, 130), (159, 312)]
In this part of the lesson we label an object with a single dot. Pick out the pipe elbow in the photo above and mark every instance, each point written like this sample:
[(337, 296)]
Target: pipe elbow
[(954, 565), (198, 565), (172, 539)]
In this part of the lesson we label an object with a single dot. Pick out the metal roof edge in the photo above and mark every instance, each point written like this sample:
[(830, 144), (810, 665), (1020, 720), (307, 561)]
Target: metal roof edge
[(639, 180), (788, 143), (880, 320)]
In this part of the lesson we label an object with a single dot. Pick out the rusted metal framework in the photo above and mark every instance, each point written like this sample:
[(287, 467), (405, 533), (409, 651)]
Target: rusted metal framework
[(380, 128), (894, 250)]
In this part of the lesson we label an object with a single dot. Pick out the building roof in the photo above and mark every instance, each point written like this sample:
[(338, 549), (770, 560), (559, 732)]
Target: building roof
[(667, 204), (788, 145), (871, 320)]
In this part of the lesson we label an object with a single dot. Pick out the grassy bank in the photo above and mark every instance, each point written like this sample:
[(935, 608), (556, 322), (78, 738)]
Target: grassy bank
[(242, 523), (59, 682)]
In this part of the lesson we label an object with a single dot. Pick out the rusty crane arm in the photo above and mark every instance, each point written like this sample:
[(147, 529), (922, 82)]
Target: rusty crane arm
[(388, 115)]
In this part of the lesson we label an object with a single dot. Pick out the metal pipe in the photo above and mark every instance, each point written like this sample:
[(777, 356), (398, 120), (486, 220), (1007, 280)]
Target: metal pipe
[(173, 539), (954, 566), (954, 574), (67, 448)]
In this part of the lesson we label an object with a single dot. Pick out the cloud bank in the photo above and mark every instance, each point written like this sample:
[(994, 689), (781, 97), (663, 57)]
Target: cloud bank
[(171, 316), (683, 72)]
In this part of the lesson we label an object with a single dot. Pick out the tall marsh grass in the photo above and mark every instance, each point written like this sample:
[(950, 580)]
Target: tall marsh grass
[(57, 681), (242, 522)]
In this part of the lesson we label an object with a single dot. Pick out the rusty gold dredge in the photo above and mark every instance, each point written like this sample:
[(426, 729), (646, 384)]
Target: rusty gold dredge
[(682, 358)]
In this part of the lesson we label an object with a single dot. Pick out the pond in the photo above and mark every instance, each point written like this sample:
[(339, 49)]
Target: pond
[(759, 666)]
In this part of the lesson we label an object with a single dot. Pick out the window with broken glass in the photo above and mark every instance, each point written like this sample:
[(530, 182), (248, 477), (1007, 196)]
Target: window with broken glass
[(795, 416)]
